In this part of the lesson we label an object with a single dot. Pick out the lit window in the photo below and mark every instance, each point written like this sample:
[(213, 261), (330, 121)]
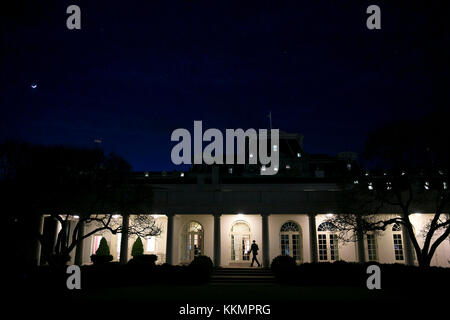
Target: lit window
[(349, 166), (288, 166), (146, 174), (323, 247), (427, 185), (151, 244), (388, 185), (371, 247), (444, 184), (119, 240), (299, 155), (398, 242), (356, 182), (96, 243), (370, 186), (328, 242), (290, 240), (230, 170), (182, 174)]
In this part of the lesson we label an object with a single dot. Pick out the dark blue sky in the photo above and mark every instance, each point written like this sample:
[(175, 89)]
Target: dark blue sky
[(137, 70)]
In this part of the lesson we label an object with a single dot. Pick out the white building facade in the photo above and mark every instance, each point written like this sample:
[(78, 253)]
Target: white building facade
[(222, 220)]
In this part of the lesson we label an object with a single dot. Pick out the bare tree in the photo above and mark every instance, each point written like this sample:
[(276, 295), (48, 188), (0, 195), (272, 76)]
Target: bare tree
[(142, 225), (412, 176), (64, 182), (363, 203)]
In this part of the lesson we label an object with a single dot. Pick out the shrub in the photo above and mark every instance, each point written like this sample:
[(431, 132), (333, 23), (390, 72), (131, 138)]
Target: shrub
[(96, 259), (103, 248), (138, 248), (102, 254), (147, 259), (282, 263), (201, 268), (284, 268), (202, 262)]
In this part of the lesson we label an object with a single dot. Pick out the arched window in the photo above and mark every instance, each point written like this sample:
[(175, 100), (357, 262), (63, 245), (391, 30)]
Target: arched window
[(290, 239), (240, 241), (326, 226), (192, 244), (398, 242), (327, 242)]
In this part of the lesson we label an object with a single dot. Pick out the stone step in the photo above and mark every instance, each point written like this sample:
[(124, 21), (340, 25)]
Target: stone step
[(242, 281), (246, 274), (242, 275)]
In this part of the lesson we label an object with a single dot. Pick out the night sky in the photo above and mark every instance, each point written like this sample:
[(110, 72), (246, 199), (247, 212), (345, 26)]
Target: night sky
[(137, 70)]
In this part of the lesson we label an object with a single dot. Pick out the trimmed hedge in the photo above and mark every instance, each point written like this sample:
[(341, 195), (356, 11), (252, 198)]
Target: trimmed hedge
[(102, 255), (201, 268), (341, 273), (284, 267), (138, 248)]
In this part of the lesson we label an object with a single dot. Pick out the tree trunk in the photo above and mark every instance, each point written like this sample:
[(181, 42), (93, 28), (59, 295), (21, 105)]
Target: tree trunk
[(424, 260)]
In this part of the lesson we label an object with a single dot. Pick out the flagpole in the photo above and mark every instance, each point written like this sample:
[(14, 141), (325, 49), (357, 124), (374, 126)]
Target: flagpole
[(270, 120)]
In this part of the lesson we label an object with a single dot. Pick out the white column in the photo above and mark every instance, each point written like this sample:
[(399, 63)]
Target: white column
[(407, 247), (360, 243), (80, 244), (217, 239), (169, 240), (265, 240), (313, 237), (124, 239), (38, 245), (57, 230)]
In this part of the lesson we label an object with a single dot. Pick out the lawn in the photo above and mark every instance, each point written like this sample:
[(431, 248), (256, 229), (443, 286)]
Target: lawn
[(238, 292)]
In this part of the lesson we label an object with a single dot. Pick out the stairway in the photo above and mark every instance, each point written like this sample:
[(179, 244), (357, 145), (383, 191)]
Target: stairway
[(242, 275)]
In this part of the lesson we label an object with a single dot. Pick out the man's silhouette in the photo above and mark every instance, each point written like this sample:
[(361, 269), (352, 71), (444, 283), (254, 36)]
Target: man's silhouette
[(254, 249)]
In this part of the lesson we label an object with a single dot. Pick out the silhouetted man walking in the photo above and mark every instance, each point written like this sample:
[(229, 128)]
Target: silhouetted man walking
[(254, 249)]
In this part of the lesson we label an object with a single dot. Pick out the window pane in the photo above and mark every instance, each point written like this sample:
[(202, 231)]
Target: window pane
[(323, 247), (151, 244), (96, 243), (371, 248), (334, 254), (398, 247), (296, 246), (285, 245)]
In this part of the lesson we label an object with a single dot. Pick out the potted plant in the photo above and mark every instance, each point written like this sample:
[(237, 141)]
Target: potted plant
[(102, 255), (138, 248)]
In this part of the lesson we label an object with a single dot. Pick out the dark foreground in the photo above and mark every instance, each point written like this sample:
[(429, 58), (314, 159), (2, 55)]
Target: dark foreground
[(165, 291)]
